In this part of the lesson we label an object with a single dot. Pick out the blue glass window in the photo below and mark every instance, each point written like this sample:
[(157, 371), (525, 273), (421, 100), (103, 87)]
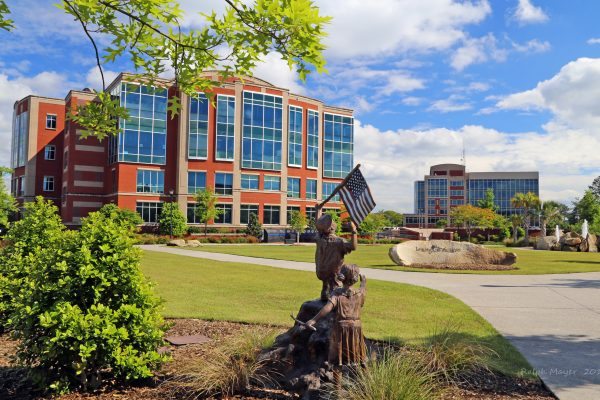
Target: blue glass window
[(312, 136), (196, 181), (198, 127), (271, 215), (338, 145), (246, 210), (437, 187), (225, 217), (249, 181), (142, 138), (150, 181), (504, 190), (223, 183), (295, 136), (311, 188), (225, 127), (262, 131), (293, 187), (419, 197), (272, 183), (328, 188), (149, 211)]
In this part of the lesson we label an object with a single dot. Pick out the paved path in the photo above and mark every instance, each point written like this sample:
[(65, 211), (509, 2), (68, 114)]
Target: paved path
[(554, 320)]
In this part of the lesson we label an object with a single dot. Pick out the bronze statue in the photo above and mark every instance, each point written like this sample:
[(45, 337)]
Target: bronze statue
[(346, 341), (330, 253)]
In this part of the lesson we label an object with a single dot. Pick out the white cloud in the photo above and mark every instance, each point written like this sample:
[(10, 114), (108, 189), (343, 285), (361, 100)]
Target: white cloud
[(94, 79), (527, 13), (394, 159), (276, 71), (477, 51), (532, 46), (452, 104), (572, 95), (412, 101), (593, 41)]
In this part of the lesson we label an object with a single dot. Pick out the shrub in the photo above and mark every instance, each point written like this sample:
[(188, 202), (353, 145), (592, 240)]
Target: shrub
[(451, 356), (393, 376), (195, 229), (123, 215), (227, 368), (146, 238), (83, 311), (172, 221), (254, 227)]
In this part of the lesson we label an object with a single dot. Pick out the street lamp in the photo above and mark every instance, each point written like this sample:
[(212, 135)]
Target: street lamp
[(171, 195)]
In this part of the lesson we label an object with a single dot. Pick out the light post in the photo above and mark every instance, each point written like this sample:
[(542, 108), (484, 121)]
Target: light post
[(171, 192)]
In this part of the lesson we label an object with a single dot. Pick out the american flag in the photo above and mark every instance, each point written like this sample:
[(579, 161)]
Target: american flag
[(357, 197)]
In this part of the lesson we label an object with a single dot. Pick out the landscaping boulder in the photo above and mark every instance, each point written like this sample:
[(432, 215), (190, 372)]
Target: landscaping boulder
[(592, 241), (176, 242), (571, 241), (545, 243), (193, 243), (447, 252)]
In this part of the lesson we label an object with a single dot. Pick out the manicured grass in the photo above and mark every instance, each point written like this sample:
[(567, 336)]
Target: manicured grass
[(529, 262), (211, 290)]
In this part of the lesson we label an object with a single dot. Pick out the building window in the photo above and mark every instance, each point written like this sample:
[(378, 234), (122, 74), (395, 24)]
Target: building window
[(437, 187), (457, 193), (245, 211), (311, 188), (262, 131), (328, 188), (291, 209), (312, 136), (223, 183), (50, 152), (50, 121), (149, 211), (196, 181), (271, 215), (457, 183), (192, 218), (48, 184), (311, 214), (143, 137), (19, 139), (150, 181), (293, 187), (225, 215), (225, 127), (249, 182), (457, 202), (272, 183), (198, 127), (295, 137), (338, 145)]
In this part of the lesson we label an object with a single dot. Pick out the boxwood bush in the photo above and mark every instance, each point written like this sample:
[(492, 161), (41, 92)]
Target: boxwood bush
[(80, 307)]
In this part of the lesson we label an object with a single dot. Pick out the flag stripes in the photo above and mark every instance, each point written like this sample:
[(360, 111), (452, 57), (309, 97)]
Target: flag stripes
[(357, 197)]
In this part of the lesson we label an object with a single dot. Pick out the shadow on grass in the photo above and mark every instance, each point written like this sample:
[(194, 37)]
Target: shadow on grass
[(577, 262), (559, 283)]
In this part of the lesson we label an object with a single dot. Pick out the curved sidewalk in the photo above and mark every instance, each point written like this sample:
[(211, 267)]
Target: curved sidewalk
[(553, 320)]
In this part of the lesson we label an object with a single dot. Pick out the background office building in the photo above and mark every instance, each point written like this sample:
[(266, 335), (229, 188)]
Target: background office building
[(449, 185), (263, 150)]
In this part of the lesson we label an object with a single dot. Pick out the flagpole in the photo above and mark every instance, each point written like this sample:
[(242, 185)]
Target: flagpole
[(336, 190)]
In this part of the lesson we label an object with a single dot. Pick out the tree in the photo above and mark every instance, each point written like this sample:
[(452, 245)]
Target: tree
[(470, 217), (441, 223), (529, 203), (551, 215), (8, 205), (595, 187), (516, 220), (297, 222), (172, 221), (206, 207), (123, 215), (588, 207), (254, 228), (373, 224), (81, 308), (394, 218), (488, 201), (148, 32)]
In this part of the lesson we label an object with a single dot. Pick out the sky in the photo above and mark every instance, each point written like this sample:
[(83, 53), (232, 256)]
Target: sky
[(516, 83)]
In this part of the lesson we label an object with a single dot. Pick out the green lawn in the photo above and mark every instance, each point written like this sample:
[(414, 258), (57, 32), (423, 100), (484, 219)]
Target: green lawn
[(212, 290), (529, 262)]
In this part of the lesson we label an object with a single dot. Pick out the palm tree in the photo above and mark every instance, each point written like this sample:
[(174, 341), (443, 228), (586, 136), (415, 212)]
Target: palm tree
[(550, 212), (528, 202), (516, 221)]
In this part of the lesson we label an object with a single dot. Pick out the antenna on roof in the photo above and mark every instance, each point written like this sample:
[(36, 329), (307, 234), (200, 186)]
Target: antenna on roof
[(463, 159)]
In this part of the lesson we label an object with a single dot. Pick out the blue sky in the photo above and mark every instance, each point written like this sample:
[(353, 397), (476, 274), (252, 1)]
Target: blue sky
[(516, 81)]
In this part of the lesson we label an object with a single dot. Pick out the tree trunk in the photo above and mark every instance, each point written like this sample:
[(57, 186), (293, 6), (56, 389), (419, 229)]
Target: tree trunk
[(543, 230), (515, 234), (206, 228)]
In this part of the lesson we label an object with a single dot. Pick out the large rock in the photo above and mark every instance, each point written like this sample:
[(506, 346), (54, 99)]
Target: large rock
[(193, 243), (592, 241), (176, 242), (545, 243), (446, 252)]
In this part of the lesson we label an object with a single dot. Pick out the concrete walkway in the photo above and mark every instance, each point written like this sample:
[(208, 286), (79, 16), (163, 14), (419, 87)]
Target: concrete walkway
[(554, 320)]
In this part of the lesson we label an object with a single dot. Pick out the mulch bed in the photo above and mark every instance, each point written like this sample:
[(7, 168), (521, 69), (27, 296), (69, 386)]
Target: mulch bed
[(14, 384), (465, 267)]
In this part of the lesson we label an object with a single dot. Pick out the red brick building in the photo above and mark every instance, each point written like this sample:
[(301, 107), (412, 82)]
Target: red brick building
[(263, 149)]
